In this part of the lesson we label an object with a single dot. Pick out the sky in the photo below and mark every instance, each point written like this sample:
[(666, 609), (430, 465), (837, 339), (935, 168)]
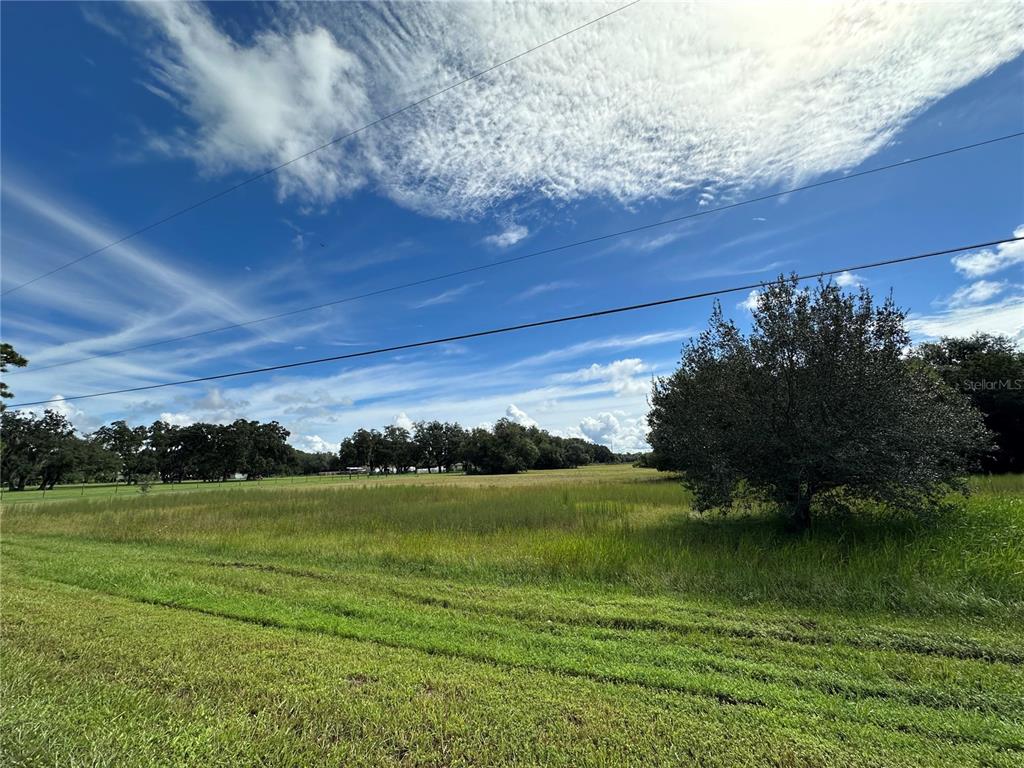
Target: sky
[(115, 116)]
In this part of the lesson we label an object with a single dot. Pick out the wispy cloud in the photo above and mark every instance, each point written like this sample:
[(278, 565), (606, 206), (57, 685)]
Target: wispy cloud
[(606, 344), (1004, 317), (322, 69), (542, 288), (445, 297), (130, 295)]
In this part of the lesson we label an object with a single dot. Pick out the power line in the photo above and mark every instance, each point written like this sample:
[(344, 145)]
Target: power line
[(331, 143), (542, 252), (521, 326)]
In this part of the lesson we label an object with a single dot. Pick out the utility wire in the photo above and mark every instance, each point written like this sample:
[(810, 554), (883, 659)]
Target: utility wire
[(331, 143), (545, 251), (521, 326)]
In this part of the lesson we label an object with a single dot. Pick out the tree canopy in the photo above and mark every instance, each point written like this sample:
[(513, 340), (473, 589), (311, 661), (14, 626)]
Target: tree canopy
[(820, 399), (990, 371), (8, 357), (506, 448)]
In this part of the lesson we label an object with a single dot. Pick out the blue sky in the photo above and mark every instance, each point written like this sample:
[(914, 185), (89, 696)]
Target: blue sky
[(115, 116)]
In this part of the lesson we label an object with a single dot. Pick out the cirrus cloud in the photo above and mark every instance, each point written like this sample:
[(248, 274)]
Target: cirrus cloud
[(719, 97)]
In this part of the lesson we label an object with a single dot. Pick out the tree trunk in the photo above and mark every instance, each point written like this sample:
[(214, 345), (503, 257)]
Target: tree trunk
[(802, 510)]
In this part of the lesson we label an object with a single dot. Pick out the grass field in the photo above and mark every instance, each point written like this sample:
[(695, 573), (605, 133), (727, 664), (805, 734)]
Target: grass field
[(111, 490), (563, 618)]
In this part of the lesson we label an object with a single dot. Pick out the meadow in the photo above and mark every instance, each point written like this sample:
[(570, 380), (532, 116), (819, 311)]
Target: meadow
[(583, 617)]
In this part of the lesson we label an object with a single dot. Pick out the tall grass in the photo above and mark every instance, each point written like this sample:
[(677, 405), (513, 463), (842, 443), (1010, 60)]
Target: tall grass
[(623, 534)]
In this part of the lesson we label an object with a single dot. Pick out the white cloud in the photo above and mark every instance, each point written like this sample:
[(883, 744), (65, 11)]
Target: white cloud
[(750, 303), (445, 297), (660, 241), (519, 416), (620, 375), (314, 444), (622, 435), (70, 411), (848, 279), (977, 292), (401, 420), (748, 94), (1004, 317), (260, 104), (537, 290), (176, 419), (509, 237), (981, 263)]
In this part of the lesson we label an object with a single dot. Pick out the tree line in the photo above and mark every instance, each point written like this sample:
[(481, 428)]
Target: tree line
[(43, 450), (506, 448)]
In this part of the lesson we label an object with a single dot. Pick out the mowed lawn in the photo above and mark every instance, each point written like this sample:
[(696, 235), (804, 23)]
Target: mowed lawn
[(565, 618)]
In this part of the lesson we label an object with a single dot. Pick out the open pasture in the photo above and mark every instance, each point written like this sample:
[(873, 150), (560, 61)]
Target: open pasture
[(567, 618)]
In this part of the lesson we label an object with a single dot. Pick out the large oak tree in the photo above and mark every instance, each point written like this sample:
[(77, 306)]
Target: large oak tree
[(820, 398)]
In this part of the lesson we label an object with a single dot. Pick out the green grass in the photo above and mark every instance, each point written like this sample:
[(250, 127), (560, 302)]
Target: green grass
[(564, 618), (116, 490)]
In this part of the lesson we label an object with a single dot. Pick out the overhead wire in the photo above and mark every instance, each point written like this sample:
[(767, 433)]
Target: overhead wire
[(522, 326), (543, 251)]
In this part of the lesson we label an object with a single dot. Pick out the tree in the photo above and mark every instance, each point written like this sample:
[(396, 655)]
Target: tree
[(94, 463), (990, 371), (8, 357), (348, 453), (819, 399), (429, 439), (506, 450), (577, 453), (452, 445), (438, 444), (399, 451), (55, 448), (128, 443), (167, 449), (35, 449), (363, 449)]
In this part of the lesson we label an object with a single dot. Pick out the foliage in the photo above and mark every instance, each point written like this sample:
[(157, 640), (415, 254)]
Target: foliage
[(507, 448), (819, 400), (439, 444), (504, 450), (8, 357), (128, 443), (36, 449), (46, 450), (990, 371), (304, 463)]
